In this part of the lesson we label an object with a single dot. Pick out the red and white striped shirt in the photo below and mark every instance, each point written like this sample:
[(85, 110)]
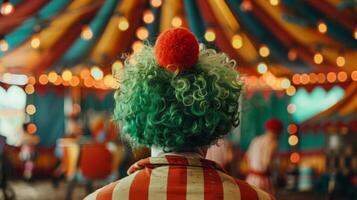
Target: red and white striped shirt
[(175, 177)]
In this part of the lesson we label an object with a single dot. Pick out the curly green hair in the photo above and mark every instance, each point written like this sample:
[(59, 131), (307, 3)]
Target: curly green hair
[(177, 110)]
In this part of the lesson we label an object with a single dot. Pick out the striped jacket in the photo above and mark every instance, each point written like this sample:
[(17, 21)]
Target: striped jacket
[(175, 177)]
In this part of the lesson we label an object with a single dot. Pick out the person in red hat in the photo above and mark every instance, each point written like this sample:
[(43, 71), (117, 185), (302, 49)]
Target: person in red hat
[(260, 155), (177, 98)]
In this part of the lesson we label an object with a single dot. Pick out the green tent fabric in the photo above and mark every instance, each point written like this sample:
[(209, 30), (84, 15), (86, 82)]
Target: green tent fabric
[(256, 110), (49, 116), (92, 102)]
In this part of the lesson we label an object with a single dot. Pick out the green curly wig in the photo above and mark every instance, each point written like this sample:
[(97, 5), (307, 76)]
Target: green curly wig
[(177, 110)]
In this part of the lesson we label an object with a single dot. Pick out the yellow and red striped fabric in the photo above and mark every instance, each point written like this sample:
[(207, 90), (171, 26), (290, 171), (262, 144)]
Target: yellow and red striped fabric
[(176, 177)]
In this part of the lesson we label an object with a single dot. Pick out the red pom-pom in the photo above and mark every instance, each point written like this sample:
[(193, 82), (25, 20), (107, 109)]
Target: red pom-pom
[(275, 125), (176, 48)]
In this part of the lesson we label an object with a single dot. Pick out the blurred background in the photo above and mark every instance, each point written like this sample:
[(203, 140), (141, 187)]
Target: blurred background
[(297, 58)]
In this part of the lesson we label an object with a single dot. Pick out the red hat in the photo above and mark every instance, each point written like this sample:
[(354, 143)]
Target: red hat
[(274, 124)]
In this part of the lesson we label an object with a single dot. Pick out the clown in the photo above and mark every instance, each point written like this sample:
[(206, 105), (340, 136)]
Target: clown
[(177, 99), (260, 155)]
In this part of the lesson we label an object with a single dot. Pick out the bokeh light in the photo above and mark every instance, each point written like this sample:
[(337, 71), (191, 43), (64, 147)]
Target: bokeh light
[(264, 51), (148, 17), (30, 109), (262, 68), (340, 61), (210, 35), (66, 75), (43, 79), (142, 33), (29, 89), (237, 41), (4, 46), (292, 128), (294, 157), (318, 58), (96, 73), (176, 21), (293, 140), (123, 24)]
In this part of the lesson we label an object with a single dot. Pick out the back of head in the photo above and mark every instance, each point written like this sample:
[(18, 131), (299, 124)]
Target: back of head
[(176, 95)]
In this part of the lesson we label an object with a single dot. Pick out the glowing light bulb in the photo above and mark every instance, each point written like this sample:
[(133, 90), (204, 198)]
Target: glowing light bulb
[(331, 77), (262, 68), (237, 41), (321, 78), (52, 77), (295, 157), (342, 76), (108, 80), (264, 51), (7, 8), (290, 91), (322, 27), (291, 108), (340, 61), (96, 73), (142, 33), (355, 33), (292, 55), (85, 73), (318, 58), (210, 36), (4, 46), (43, 79), (123, 24), (156, 3), (274, 2), (293, 140), (148, 17), (66, 75), (292, 129), (74, 81), (285, 83), (354, 75), (176, 21), (86, 33), (35, 42), (31, 128), (29, 89), (137, 46), (30, 109)]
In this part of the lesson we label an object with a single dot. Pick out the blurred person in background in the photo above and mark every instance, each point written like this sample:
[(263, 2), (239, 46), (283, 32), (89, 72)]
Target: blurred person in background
[(177, 99), (28, 152), (261, 153)]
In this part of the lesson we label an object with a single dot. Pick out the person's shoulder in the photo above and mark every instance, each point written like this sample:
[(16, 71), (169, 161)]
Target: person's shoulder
[(110, 190), (250, 192)]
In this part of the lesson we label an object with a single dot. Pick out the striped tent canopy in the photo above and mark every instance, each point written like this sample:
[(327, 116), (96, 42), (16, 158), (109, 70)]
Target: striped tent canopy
[(340, 118), (283, 37)]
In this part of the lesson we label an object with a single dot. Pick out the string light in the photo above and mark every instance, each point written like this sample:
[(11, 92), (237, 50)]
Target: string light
[(285, 83), (96, 73), (137, 46), (74, 81), (354, 75), (31, 128), (322, 27), (355, 33), (66, 75), (7, 8), (293, 140), (291, 108), (85, 73), (237, 41), (331, 77), (4, 46), (321, 78), (142, 33), (117, 65), (292, 55), (52, 77), (262, 68), (274, 2), (296, 79), (210, 36), (313, 78), (89, 82), (43, 79), (86, 33), (292, 128), (29, 89), (290, 91), (148, 17), (246, 6), (31, 80), (123, 24), (35, 42), (156, 3), (264, 51), (340, 61), (58, 81), (318, 58), (108, 80), (305, 79), (30, 109), (294, 157), (176, 21), (342, 76)]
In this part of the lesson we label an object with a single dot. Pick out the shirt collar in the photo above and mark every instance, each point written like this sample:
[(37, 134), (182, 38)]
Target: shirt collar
[(174, 160)]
